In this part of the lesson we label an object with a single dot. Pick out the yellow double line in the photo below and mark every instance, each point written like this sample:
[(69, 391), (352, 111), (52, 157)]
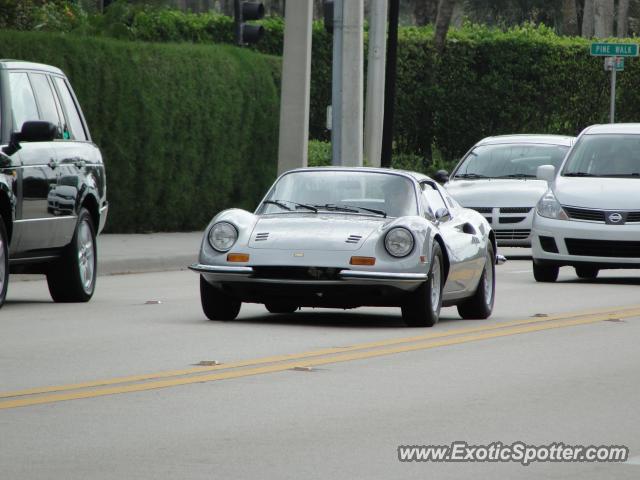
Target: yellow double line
[(279, 363)]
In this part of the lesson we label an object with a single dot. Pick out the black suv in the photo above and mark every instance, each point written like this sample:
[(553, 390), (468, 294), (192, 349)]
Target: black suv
[(52, 183)]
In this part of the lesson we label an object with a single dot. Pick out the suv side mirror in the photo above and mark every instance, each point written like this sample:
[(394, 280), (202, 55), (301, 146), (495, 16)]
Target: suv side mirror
[(546, 172), (32, 131), (441, 176)]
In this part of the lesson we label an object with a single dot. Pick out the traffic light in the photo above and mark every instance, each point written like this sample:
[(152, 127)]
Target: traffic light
[(244, 11), (327, 10)]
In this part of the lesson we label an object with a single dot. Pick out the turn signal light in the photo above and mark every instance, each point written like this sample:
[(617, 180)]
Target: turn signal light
[(363, 261), (238, 257)]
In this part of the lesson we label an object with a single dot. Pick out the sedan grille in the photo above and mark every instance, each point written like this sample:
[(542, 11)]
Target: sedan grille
[(584, 214), (515, 210), (482, 209), (511, 219), (603, 248), (633, 217), (519, 234), (296, 273)]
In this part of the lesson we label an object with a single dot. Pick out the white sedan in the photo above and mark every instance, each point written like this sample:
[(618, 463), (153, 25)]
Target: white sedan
[(590, 216), (497, 178)]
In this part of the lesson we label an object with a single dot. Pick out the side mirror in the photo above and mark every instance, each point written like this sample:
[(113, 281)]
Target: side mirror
[(441, 214), (32, 131), (441, 176), (546, 172)]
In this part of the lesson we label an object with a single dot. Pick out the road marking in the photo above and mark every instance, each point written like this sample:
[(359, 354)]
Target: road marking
[(312, 353), (432, 342)]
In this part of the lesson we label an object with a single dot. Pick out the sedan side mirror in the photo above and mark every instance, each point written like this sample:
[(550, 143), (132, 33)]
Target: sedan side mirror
[(441, 176), (32, 131), (546, 172)]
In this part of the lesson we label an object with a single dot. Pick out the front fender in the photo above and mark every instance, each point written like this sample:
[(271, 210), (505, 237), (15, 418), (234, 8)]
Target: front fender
[(242, 220)]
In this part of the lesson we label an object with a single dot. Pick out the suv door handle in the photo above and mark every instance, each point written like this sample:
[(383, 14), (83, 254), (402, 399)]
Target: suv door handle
[(53, 163)]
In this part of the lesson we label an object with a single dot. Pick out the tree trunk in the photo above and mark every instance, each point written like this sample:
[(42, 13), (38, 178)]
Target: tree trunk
[(445, 11), (425, 11), (603, 18), (587, 18), (569, 18), (623, 18)]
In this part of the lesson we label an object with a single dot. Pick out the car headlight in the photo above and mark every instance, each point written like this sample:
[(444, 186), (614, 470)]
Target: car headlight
[(398, 242), (222, 236), (549, 207)]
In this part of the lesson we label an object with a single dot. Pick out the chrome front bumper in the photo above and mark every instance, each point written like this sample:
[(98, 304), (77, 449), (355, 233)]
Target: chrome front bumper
[(232, 273)]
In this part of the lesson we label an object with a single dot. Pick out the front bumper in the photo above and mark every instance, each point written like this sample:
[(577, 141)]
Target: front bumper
[(585, 243), (512, 226), (223, 273)]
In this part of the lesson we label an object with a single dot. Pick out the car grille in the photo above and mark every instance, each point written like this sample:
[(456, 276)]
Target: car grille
[(482, 209), (511, 219), (296, 273), (584, 214), (515, 210), (518, 234), (633, 217), (603, 248)]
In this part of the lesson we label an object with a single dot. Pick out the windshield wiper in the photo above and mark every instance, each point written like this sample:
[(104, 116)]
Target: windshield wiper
[(281, 204), (578, 174), (517, 175), (372, 210), (350, 209), (470, 175)]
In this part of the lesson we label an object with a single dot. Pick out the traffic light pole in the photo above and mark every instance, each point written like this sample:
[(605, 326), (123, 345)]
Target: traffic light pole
[(296, 80), (374, 113)]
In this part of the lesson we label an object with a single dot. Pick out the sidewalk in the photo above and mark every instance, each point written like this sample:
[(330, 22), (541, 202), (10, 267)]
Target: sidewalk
[(135, 253)]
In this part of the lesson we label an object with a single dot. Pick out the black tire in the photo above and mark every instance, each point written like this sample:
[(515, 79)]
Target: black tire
[(4, 262), (280, 308), (72, 278), (480, 305), (420, 309), (587, 272), (217, 305), (545, 273)]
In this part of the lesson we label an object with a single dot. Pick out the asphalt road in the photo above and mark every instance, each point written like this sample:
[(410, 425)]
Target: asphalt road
[(123, 388)]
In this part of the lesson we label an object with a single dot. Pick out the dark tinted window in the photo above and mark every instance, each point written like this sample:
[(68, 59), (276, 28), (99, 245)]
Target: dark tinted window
[(23, 102), (74, 124), (610, 155), (46, 99)]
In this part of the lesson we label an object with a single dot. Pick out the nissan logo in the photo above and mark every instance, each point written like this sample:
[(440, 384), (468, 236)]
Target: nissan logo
[(615, 217)]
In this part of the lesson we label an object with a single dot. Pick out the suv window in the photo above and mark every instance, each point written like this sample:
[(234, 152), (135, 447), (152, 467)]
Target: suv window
[(73, 117), (23, 104), (46, 100)]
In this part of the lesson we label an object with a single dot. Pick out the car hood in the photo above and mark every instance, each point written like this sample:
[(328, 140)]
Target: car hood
[(313, 231), (497, 192), (598, 193)]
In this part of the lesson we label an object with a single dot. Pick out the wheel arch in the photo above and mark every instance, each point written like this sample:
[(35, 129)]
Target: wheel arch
[(90, 203), (7, 211), (445, 255)]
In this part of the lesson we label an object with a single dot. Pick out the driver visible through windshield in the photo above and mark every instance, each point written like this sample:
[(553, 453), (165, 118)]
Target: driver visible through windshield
[(364, 193)]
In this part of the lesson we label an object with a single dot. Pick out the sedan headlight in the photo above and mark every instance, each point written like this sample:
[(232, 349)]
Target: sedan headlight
[(398, 242), (222, 236), (549, 207)]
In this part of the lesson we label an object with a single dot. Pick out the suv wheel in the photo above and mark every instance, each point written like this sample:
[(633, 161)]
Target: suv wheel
[(72, 278)]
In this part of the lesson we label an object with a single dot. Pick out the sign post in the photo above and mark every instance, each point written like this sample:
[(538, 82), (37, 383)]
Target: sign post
[(614, 54)]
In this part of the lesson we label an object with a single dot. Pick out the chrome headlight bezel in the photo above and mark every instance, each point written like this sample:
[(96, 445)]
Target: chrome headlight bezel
[(399, 242), (221, 231), (549, 207)]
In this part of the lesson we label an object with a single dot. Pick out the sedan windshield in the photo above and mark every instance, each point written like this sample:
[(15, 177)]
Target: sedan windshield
[(519, 160), (351, 192), (605, 156)]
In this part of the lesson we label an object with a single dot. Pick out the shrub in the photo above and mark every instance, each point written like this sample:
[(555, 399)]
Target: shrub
[(185, 130)]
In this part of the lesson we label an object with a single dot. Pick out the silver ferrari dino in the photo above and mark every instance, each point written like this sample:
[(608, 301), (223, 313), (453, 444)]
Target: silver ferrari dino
[(348, 237)]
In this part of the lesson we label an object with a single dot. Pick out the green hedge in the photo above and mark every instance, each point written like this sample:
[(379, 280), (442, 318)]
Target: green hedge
[(486, 82), (185, 130)]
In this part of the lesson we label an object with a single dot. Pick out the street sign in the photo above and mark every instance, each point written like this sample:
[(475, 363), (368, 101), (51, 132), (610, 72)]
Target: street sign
[(614, 49), (611, 62)]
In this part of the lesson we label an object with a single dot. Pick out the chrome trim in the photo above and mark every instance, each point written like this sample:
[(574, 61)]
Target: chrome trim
[(198, 267), (402, 277), (25, 220)]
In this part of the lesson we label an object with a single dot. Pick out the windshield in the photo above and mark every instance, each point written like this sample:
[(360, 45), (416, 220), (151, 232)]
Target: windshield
[(368, 193), (605, 156), (509, 160)]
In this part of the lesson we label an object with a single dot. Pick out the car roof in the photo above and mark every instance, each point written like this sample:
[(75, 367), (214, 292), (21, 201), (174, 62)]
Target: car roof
[(417, 176), (22, 65), (528, 138), (619, 128)]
